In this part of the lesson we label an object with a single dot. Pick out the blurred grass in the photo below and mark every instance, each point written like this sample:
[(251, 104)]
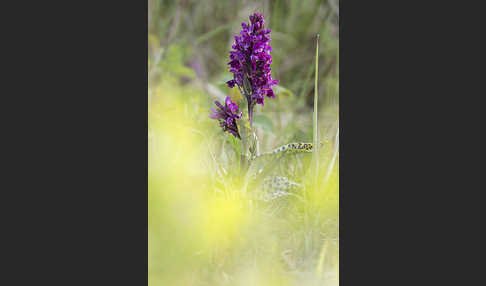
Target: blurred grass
[(205, 226), (205, 29)]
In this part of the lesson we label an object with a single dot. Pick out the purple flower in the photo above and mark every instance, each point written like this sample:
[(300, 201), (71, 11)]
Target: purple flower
[(251, 60), (227, 115)]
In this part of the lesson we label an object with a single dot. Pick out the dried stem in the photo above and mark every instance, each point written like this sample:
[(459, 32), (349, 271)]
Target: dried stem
[(316, 133)]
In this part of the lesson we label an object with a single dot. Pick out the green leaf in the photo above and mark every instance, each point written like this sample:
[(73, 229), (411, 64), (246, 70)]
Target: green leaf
[(235, 143), (265, 123)]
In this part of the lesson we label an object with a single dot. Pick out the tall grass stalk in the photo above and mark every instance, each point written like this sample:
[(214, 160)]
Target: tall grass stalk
[(314, 123)]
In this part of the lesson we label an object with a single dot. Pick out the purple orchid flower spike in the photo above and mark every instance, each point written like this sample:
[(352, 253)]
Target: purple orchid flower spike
[(227, 115), (250, 62)]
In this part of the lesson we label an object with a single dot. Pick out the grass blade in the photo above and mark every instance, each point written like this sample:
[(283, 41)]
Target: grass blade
[(314, 123)]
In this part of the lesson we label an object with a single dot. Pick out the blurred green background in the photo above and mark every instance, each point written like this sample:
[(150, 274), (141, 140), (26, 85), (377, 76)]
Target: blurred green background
[(203, 228)]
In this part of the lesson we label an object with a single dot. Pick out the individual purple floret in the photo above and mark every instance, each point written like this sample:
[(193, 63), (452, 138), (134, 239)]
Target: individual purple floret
[(227, 115), (250, 62)]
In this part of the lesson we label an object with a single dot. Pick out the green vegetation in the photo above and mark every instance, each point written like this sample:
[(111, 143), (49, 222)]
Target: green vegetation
[(210, 222)]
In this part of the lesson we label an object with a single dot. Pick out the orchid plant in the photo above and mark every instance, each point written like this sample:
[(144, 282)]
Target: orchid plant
[(250, 60)]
